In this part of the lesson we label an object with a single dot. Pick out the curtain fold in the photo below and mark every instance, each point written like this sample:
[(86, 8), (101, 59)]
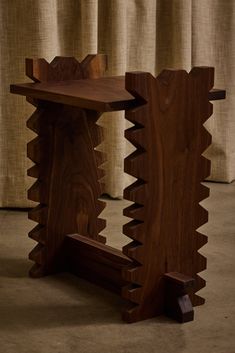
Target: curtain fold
[(213, 45), (146, 35)]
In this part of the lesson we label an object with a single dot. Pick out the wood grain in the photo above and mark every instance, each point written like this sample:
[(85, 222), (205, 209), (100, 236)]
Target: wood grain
[(177, 302), (169, 137), (67, 166), (96, 262), (103, 94)]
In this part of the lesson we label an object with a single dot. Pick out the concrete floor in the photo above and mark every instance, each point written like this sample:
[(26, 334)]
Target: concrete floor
[(63, 314)]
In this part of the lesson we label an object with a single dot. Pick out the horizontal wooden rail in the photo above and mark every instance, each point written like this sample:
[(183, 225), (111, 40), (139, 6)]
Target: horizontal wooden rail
[(96, 262)]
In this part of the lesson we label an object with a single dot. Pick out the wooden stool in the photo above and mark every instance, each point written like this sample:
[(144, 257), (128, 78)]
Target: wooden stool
[(157, 272)]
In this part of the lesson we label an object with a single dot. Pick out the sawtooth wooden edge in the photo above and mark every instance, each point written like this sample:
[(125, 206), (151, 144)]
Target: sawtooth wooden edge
[(67, 166), (169, 137)]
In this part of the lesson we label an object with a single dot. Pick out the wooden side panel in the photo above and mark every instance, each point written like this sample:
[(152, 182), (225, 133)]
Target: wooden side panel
[(67, 166), (170, 138)]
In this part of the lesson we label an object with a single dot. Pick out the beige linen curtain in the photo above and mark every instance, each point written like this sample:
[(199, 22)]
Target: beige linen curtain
[(146, 35)]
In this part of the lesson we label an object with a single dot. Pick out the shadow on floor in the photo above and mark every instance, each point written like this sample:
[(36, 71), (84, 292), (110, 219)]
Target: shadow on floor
[(14, 267), (55, 301)]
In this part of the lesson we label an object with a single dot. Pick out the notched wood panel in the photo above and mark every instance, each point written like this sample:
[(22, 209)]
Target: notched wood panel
[(169, 137), (67, 167)]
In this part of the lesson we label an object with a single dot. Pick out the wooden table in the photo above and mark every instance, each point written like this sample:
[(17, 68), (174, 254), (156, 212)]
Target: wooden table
[(157, 272)]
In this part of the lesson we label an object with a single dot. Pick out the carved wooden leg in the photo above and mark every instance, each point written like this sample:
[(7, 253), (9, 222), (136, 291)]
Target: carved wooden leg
[(169, 137), (66, 165), (67, 186)]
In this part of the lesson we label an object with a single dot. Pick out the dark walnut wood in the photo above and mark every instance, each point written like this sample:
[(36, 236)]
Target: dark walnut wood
[(96, 262), (177, 302), (170, 138), (103, 94), (66, 165)]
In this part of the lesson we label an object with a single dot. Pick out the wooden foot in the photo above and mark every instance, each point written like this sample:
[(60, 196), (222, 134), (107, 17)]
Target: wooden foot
[(177, 302)]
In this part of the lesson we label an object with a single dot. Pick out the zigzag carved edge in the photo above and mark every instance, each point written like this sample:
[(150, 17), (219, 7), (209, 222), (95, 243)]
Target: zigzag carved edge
[(101, 158), (61, 68), (66, 68), (203, 191), (97, 137), (135, 192), (138, 191), (37, 193)]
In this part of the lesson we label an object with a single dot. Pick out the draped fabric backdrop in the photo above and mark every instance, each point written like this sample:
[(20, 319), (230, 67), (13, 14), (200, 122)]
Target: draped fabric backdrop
[(146, 35)]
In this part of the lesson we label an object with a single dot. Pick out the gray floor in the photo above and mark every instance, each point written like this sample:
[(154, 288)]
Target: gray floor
[(65, 314)]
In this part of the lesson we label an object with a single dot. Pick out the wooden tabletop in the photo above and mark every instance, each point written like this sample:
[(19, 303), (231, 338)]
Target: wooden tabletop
[(101, 94)]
